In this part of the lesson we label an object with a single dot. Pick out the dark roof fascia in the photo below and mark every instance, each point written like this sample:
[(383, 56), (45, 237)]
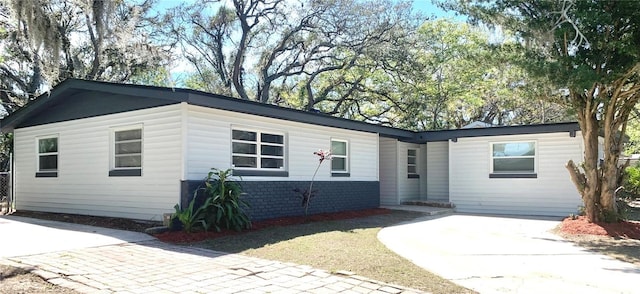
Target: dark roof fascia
[(444, 135), (70, 86)]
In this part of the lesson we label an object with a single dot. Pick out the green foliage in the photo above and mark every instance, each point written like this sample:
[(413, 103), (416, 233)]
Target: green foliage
[(590, 52), (581, 210), (632, 146), (631, 181), (227, 206), (222, 208), (610, 216), (46, 42), (443, 75), (159, 76), (190, 218), (573, 44), (6, 148), (624, 210)]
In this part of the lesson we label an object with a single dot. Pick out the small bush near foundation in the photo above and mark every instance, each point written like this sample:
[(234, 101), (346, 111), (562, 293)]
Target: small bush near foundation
[(223, 207), (227, 206)]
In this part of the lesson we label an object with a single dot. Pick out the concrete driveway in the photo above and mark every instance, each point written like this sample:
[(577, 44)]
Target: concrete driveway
[(27, 236), (492, 254), (97, 260)]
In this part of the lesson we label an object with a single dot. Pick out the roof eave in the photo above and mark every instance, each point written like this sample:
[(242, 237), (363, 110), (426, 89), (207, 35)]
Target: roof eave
[(445, 135)]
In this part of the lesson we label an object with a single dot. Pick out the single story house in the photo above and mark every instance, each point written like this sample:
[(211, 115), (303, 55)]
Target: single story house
[(133, 151)]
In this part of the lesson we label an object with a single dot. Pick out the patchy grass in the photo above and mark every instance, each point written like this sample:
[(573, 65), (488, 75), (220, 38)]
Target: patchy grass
[(17, 280), (350, 245)]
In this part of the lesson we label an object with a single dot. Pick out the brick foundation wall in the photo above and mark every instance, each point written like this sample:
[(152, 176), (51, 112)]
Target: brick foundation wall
[(277, 198)]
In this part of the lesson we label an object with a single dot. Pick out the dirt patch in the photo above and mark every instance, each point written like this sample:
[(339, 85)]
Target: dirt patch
[(619, 240), (184, 237), (98, 221), (17, 280)]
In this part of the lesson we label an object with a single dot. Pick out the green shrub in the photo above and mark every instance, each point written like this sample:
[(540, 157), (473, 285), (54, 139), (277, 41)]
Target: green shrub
[(631, 182), (190, 218), (227, 208), (222, 207)]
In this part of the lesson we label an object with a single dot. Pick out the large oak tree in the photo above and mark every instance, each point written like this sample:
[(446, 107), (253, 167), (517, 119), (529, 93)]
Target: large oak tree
[(590, 50), (47, 41), (263, 50)]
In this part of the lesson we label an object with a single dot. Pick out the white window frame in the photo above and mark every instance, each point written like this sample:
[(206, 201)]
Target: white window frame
[(258, 142), (412, 164), (112, 144), (346, 156), (38, 154), (535, 157)]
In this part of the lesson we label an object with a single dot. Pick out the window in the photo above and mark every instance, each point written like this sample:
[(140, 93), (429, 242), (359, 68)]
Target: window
[(513, 159), (412, 163), (339, 158), (127, 152), (47, 157), (257, 150)]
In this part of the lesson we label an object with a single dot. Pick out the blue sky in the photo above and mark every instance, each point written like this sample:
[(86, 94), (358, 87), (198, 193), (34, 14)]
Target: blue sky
[(424, 6), (428, 8)]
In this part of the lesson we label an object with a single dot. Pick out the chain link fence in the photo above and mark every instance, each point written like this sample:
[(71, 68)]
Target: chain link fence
[(5, 192)]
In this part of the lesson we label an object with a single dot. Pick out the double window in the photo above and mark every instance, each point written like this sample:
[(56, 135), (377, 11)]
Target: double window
[(47, 157), (126, 157), (412, 163), (339, 157), (257, 150), (513, 159)]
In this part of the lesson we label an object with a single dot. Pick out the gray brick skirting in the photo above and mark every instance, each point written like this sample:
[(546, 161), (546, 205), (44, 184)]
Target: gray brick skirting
[(277, 199)]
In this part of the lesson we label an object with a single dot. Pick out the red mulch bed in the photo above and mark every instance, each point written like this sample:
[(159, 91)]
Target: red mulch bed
[(581, 226), (184, 237)]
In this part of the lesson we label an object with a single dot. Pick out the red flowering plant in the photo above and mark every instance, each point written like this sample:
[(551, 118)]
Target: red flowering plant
[(307, 194)]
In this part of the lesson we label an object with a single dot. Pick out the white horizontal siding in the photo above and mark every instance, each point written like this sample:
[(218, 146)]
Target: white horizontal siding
[(551, 193), (209, 146), (408, 189), (389, 171), (83, 185), (423, 170), (437, 162)]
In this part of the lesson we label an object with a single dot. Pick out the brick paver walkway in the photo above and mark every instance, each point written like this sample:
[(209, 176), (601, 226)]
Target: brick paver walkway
[(156, 267)]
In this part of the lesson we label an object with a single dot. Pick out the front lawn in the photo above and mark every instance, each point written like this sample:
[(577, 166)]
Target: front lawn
[(341, 245)]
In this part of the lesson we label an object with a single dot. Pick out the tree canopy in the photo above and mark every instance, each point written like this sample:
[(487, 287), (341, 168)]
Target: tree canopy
[(376, 61), (47, 41), (589, 51)]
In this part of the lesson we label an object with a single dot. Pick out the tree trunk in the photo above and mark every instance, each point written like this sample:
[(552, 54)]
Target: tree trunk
[(588, 183), (609, 166), (598, 184), (591, 193)]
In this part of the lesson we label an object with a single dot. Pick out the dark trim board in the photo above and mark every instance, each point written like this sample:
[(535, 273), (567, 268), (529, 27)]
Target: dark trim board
[(340, 175), (260, 173), (513, 176), (47, 174), (431, 136), (125, 173)]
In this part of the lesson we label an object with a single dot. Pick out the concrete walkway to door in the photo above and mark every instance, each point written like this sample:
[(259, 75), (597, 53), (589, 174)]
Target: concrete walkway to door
[(493, 254)]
